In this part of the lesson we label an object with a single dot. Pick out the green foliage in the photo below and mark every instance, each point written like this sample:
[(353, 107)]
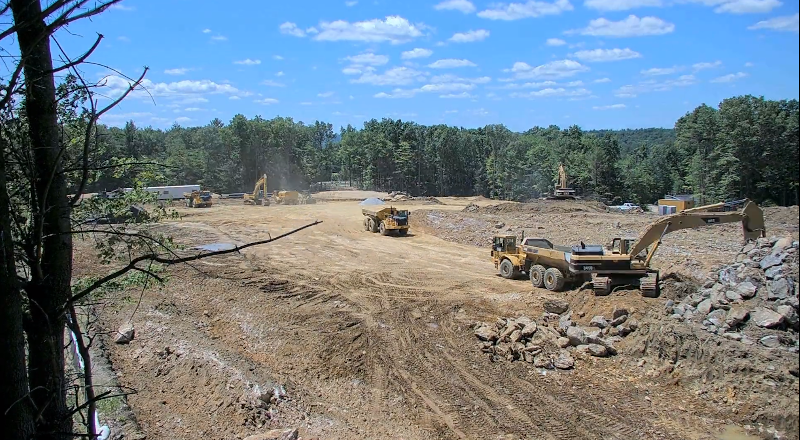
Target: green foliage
[(746, 148)]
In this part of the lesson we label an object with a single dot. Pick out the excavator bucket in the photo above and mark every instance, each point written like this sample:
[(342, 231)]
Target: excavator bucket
[(753, 224)]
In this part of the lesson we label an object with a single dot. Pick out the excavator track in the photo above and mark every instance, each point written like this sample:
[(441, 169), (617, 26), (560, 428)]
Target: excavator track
[(601, 286), (649, 286)]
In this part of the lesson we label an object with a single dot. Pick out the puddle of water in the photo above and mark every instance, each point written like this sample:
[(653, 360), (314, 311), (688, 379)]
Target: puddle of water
[(733, 432), (213, 247)]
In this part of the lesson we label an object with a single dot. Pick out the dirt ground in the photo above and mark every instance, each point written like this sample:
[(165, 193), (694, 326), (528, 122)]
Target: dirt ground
[(347, 334)]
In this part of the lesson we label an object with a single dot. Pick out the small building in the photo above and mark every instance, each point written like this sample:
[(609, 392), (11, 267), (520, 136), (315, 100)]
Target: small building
[(679, 202)]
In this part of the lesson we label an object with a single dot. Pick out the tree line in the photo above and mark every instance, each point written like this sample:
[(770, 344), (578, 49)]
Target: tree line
[(747, 147)]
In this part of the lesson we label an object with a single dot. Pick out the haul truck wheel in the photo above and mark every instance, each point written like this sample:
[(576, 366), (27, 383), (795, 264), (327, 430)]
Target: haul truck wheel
[(537, 275), (553, 279), (373, 227), (402, 231), (366, 224), (507, 270), (383, 230)]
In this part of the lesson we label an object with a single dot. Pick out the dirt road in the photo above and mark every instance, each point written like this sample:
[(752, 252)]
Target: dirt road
[(370, 337)]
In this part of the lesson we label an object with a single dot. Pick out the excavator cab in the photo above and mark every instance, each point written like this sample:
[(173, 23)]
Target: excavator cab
[(621, 246)]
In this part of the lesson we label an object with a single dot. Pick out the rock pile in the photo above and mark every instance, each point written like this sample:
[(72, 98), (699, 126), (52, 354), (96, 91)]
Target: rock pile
[(399, 196), (555, 340), (758, 291)]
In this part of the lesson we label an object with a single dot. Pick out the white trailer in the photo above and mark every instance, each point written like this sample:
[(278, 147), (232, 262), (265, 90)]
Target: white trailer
[(172, 192)]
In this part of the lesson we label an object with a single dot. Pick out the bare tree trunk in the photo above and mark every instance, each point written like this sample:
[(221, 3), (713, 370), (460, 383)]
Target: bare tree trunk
[(16, 413), (51, 268)]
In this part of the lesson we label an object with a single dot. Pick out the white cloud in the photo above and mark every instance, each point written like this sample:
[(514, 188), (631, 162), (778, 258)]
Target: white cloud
[(446, 87), (325, 94), (248, 62), (532, 8), (620, 5), (290, 28), (396, 93), (394, 29), (470, 36), (193, 109), (578, 83), (357, 70), (447, 112), (632, 26), (703, 66), (234, 98), (731, 77), (306, 103), (121, 7), (182, 119), (609, 107), (369, 59), (350, 4), (177, 71), (748, 64), (550, 92), (461, 95), (206, 31), (266, 101), (738, 6), (555, 42), (602, 80), (277, 57), (788, 23), (450, 63), (396, 76), (312, 30), (464, 6), (416, 53), (271, 83), (448, 78), (658, 71), (185, 88), (219, 38), (552, 70), (603, 55), (631, 91), (124, 39)]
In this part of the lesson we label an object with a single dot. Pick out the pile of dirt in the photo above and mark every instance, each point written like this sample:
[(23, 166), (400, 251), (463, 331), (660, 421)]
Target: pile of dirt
[(399, 196), (539, 206), (785, 215), (555, 341)]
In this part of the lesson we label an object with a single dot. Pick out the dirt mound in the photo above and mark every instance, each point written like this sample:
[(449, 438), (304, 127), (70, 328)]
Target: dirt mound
[(787, 215), (542, 206)]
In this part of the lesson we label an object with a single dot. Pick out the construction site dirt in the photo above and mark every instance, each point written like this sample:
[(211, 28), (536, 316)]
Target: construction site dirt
[(346, 334)]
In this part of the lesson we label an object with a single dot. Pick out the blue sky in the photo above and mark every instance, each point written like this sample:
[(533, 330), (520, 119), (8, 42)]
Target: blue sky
[(595, 63)]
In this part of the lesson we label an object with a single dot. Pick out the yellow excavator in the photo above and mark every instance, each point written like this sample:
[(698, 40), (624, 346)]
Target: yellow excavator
[(259, 196), (626, 261), (562, 190)]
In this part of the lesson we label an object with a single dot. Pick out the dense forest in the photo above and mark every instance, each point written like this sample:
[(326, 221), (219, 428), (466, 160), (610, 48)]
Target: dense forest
[(747, 147)]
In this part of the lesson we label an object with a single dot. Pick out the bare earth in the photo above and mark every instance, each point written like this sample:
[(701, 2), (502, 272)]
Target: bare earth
[(371, 336)]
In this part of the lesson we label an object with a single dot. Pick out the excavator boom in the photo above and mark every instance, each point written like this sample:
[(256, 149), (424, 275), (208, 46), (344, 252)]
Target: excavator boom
[(751, 216)]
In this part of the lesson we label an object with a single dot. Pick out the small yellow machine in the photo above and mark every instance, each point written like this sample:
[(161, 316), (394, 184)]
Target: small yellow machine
[(198, 199), (386, 221), (286, 197), (626, 261), (259, 196)]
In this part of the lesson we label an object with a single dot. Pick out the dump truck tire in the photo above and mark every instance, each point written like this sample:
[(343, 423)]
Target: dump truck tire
[(553, 279), (507, 270), (536, 273), (382, 228), (402, 232), (366, 224), (373, 225)]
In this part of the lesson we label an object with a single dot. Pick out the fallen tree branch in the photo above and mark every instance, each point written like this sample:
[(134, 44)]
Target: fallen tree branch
[(157, 259)]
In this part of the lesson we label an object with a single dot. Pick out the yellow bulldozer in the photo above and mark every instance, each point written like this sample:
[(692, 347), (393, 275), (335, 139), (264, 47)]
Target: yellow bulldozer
[(286, 197), (386, 221), (259, 196), (198, 199), (625, 261)]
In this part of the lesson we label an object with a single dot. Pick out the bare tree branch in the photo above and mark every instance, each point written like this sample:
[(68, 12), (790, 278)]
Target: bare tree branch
[(88, 385), (12, 84), (80, 59), (65, 18), (87, 139), (157, 259)]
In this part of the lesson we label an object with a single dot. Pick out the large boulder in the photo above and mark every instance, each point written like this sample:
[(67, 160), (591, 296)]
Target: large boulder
[(778, 289), (556, 305), (486, 333), (736, 316), (564, 361), (746, 289), (766, 318), (576, 336), (599, 322)]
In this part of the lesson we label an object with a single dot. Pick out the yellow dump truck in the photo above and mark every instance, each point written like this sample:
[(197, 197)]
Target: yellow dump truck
[(386, 220), (626, 261)]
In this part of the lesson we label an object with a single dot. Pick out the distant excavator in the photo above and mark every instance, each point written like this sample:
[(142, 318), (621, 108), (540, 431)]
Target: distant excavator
[(562, 190), (259, 196)]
